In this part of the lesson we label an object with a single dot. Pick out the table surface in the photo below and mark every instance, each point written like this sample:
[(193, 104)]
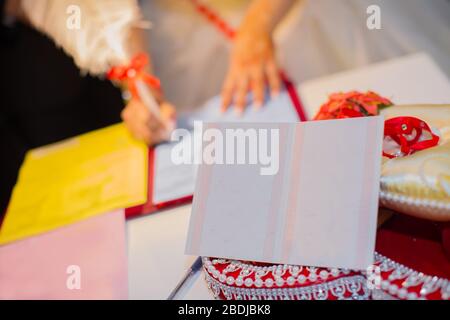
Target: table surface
[(156, 259)]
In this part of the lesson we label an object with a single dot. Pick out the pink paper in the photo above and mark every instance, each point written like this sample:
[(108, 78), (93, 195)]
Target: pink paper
[(90, 255)]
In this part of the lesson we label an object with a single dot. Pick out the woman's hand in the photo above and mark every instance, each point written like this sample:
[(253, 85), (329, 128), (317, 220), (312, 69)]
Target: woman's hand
[(253, 63), (252, 66), (145, 126)]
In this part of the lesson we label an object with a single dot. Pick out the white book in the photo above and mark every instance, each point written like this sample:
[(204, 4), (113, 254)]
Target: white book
[(319, 209), (177, 181)]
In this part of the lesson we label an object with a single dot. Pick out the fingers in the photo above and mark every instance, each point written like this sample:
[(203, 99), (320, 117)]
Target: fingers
[(143, 124), (257, 86), (252, 67), (273, 77), (142, 133), (136, 122), (227, 92), (168, 113), (241, 94), (240, 80), (235, 90)]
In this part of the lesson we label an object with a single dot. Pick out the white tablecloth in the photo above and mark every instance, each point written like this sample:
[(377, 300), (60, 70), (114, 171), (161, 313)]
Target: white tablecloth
[(156, 260)]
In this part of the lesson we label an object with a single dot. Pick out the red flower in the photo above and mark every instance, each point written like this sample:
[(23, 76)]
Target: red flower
[(352, 104)]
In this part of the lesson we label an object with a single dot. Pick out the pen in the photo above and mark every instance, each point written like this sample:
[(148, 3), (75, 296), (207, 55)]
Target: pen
[(148, 99), (195, 267)]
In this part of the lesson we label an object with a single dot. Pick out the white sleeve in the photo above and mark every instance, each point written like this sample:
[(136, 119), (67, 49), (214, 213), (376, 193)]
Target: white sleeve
[(94, 33)]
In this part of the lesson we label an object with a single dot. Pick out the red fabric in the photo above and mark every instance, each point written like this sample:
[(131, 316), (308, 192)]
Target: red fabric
[(446, 239), (419, 244)]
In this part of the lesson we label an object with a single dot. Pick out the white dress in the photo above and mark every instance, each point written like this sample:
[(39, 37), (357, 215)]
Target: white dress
[(316, 38)]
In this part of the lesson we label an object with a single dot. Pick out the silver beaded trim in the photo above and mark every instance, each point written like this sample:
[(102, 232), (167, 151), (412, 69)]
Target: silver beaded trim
[(337, 288), (239, 288), (411, 278), (277, 271)]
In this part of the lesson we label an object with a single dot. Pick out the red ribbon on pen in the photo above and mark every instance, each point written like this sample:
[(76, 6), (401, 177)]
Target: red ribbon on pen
[(133, 72), (399, 128)]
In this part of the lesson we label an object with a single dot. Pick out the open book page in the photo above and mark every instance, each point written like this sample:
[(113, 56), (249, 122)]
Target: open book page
[(173, 181)]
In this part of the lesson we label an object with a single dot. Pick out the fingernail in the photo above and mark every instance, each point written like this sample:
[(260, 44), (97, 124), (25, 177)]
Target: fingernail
[(275, 93), (257, 105)]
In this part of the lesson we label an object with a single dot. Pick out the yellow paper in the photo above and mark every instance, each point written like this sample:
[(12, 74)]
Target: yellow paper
[(66, 182)]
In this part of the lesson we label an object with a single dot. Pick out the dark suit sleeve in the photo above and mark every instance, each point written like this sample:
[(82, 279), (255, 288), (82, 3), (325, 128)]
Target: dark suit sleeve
[(43, 98), (8, 32)]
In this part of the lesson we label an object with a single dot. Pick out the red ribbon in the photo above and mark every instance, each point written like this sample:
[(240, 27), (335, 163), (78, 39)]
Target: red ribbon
[(398, 128), (133, 72), (214, 19)]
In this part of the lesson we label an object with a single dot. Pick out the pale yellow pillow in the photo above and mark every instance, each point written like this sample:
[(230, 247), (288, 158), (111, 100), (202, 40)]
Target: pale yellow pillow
[(419, 184)]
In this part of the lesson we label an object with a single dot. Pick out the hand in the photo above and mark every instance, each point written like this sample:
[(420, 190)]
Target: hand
[(145, 126), (252, 65)]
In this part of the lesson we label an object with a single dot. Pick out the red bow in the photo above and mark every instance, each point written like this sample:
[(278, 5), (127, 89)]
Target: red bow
[(132, 72), (398, 128)]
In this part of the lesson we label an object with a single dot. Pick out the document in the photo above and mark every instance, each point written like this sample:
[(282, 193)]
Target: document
[(317, 207), (86, 260), (177, 181), (69, 181)]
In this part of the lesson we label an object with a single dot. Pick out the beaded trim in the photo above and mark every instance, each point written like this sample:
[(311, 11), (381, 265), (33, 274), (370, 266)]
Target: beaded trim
[(277, 282), (237, 280), (402, 282), (337, 288), (252, 275), (391, 198)]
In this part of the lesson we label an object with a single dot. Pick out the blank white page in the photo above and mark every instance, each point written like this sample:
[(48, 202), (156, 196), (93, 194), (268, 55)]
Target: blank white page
[(320, 209)]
